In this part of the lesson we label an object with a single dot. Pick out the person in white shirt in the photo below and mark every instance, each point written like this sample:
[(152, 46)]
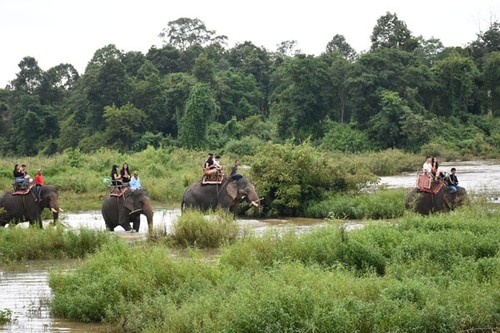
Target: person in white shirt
[(427, 167), (135, 181)]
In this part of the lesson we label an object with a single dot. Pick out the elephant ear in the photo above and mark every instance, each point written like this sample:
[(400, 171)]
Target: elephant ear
[(232, 190), (129, 200)]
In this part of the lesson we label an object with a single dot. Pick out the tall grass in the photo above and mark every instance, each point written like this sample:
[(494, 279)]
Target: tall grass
[(383, 204), (50, 243), (421, 274), (194, 228)]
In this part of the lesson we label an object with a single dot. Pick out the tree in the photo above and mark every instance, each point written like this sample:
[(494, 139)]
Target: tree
[(185, 32), (29, 78), (428, 49), (177, 88), (288, 48), (390, 32), (302, 97), (237, 95), (200, 108), (250, 59), (148, 94), (486, 43), (491, 75), (124, 126), (34, 124), (385, 128), (204, 69), (166, 59), (340, 71), (340, 45), (383, 69), (57, 84), (455, 77), (107, 85)]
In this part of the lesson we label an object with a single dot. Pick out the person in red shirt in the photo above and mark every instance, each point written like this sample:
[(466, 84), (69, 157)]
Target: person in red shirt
[(39, 182)]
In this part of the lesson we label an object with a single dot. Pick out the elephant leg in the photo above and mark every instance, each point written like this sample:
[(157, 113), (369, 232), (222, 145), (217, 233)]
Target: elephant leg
[(136, 223)]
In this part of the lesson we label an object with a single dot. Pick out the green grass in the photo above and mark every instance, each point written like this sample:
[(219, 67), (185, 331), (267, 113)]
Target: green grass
[(17, 244), (419, 274), (383, 204), (196, 229)]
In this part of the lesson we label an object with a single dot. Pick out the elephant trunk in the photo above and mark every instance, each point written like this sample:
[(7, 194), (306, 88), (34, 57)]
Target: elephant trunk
[(253, 198), (147, 210), (54, 208)]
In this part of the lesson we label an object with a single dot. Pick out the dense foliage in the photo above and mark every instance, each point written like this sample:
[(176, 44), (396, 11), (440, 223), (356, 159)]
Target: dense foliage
[(421, 274), (405, 92)]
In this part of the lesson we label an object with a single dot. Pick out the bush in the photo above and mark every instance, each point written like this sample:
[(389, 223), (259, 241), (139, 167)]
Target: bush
[(343, 138), (383, 204), (193, 228), (290, 176)]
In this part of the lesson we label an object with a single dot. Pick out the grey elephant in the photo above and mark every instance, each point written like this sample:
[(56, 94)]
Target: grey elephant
[(443, 200), (126, 208), (226, 195), (26, 207)]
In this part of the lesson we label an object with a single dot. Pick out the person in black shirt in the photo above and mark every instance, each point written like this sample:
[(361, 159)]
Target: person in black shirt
[(452, 181), (234, 171)]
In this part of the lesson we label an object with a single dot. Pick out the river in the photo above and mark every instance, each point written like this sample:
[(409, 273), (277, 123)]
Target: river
[(25, 290)]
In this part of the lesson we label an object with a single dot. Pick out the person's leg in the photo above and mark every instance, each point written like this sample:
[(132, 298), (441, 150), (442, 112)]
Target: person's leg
[(452, 188)]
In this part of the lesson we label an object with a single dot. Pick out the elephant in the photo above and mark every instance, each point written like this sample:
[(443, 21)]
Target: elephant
[(226, 195), (123, 209), (442, 201), (22, 207)]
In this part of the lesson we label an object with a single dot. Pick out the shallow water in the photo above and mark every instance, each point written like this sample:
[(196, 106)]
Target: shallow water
[(25, 289), (480, 177)]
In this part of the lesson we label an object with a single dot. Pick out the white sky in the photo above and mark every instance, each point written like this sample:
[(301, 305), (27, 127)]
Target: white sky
[(70, 31)]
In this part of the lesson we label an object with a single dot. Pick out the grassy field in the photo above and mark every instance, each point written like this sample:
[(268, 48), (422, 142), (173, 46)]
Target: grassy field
[(416, 274)]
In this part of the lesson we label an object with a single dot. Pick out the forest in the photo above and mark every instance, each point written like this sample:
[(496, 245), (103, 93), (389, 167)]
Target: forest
[(405, 92)]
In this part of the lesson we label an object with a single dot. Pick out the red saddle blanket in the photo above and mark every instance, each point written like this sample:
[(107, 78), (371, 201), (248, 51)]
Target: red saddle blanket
[(427, 184), (212, 179)]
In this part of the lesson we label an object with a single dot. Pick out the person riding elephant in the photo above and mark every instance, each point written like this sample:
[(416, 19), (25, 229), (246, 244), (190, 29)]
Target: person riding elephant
[(226, 195), (26, 207), (443, 200), (126, 208)]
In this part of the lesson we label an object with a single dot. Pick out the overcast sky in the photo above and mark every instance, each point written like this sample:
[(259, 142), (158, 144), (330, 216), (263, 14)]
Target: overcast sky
[(70, 31)]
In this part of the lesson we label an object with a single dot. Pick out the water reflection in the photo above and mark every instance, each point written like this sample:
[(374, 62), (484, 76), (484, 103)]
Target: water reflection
[(25, 291)]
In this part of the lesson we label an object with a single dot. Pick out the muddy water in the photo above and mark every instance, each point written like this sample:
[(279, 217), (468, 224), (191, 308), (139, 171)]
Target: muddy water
[(25, 291)]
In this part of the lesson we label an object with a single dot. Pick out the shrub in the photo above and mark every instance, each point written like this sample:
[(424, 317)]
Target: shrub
[(193, 228), (289, 176), (383, 204)]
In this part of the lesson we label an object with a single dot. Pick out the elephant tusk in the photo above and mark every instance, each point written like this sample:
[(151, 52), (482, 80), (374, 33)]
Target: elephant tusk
[(255, 204), (61, 210), (53, 210), (135, 211)]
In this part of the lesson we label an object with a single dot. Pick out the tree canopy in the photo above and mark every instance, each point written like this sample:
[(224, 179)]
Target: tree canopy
[(195, 92)]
